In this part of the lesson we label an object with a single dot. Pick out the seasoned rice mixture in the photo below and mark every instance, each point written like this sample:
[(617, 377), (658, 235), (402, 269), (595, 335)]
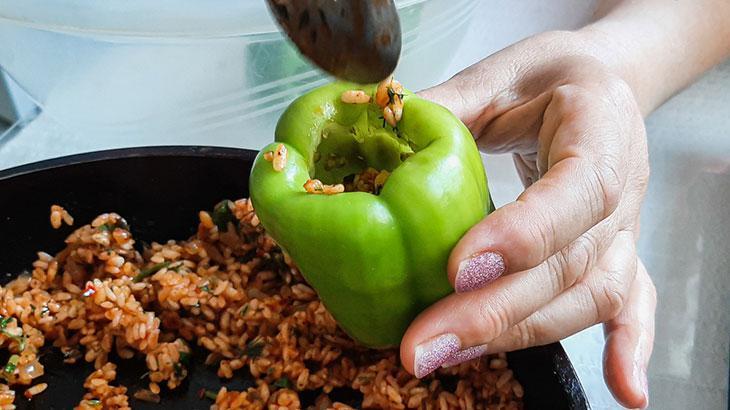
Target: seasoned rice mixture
[(228, 295)]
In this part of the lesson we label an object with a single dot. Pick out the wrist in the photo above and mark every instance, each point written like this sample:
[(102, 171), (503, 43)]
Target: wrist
[(660, 47), (589, 55), (606, 44)]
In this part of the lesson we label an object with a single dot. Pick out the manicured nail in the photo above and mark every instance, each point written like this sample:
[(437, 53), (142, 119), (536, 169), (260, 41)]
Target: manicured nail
[(465, 355), (478, 271), (432, 354)]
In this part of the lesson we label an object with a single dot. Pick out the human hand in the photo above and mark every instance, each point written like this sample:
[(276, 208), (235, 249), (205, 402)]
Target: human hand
[(562, 257)]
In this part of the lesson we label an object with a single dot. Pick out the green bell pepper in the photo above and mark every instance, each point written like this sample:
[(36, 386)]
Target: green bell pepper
[(376, 261)]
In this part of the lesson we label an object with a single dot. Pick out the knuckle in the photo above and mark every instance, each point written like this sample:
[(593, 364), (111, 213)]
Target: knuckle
[(579, 258), (609, 298), (572, 263), (616, 87), (525, 334), (570, 94), (493, 318), (538, 229), (555, 266), (608, 184), (620, 96), (614, 303), (545, 232)]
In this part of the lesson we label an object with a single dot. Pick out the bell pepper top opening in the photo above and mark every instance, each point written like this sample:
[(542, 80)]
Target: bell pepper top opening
[(358, 148)]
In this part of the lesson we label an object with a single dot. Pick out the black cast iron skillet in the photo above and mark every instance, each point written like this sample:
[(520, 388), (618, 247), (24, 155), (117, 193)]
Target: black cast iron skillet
[(159, 191)]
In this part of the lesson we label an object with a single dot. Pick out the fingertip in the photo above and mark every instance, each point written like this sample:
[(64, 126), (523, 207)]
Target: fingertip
[(446, 321), (479, 270), (475, 261), (508, 234), (629, 339), (424, 327), (407, 351), (426, 356), (624, 376)]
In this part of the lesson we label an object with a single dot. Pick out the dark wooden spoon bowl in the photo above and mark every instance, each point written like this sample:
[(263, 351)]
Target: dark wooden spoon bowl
[(355, 40)]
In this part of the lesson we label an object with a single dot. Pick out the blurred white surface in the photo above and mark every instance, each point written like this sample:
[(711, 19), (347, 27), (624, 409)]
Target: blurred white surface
[(685, 244), (685, 221), (212, 72)]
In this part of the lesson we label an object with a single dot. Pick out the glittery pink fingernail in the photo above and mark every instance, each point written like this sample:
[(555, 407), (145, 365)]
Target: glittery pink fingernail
[(478, 271), (432, 354), (465, 355)]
